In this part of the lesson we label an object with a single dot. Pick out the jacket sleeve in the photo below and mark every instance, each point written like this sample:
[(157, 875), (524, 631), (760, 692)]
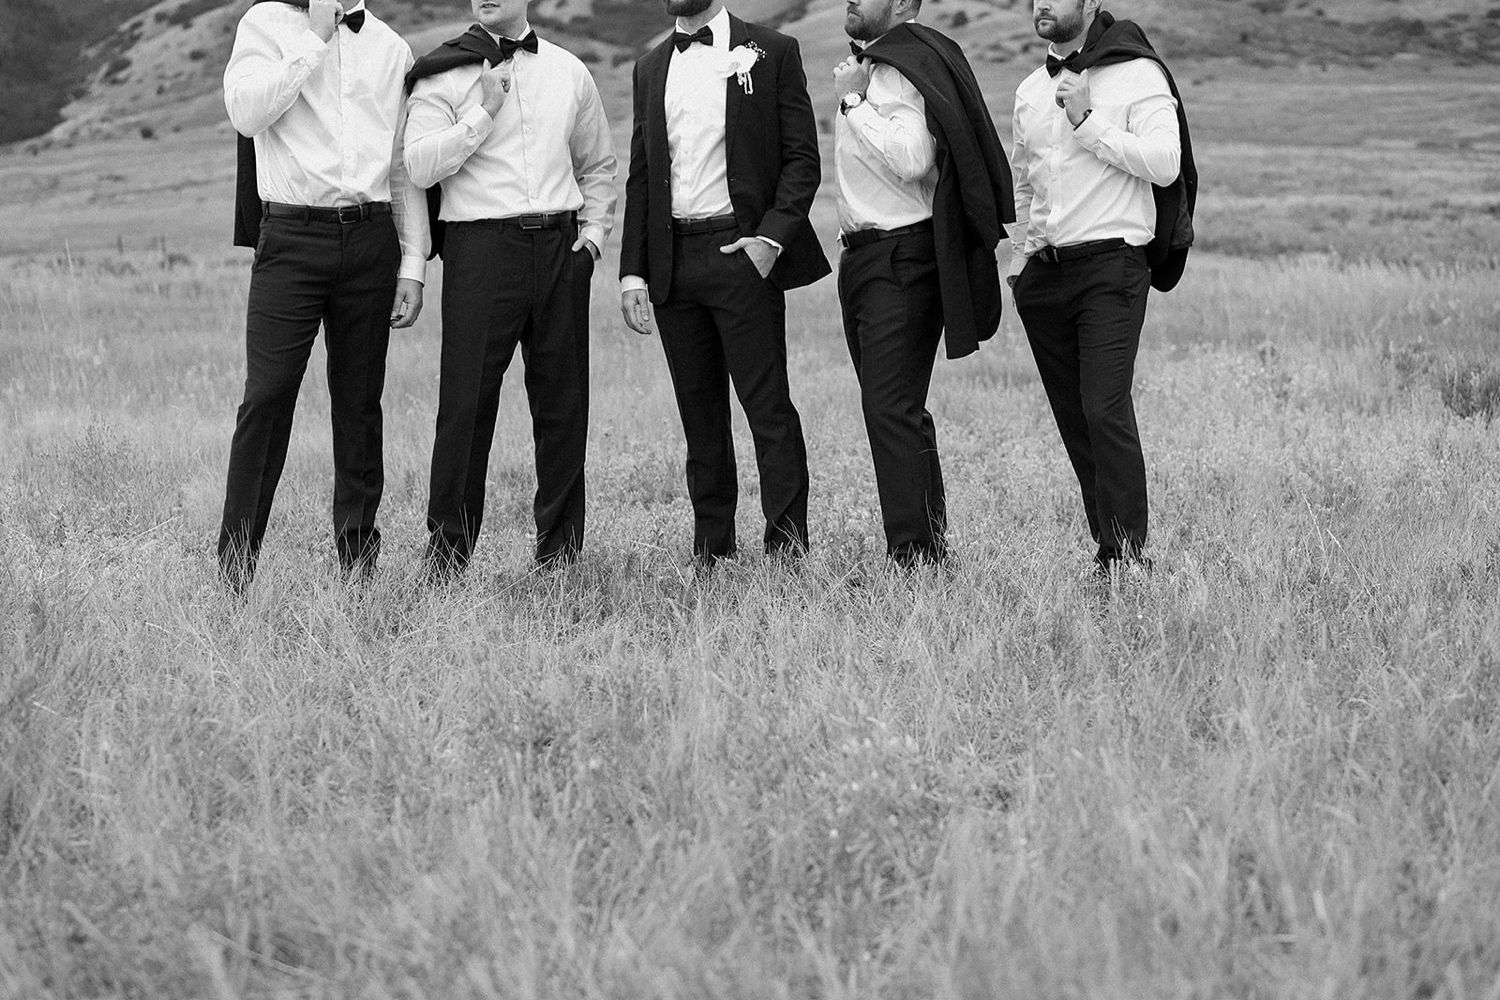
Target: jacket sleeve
[(633, 256), (801, 169)]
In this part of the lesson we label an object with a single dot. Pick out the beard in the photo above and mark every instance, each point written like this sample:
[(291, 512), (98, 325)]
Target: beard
[(1065, 25), (687, 8), (865, 27)]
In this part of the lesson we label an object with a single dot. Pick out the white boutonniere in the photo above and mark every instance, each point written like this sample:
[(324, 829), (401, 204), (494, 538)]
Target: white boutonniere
[(741, 60)]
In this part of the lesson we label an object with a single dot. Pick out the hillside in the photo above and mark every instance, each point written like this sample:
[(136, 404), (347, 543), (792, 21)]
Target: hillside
[(158, 67)]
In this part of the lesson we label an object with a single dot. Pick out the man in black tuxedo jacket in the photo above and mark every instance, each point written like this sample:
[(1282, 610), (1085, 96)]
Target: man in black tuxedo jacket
[(723, 168)]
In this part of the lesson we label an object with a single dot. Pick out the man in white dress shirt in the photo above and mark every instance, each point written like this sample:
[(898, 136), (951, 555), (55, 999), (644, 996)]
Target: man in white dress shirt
[(919, 231), (517, 138), (1089, 145), (342, 241)]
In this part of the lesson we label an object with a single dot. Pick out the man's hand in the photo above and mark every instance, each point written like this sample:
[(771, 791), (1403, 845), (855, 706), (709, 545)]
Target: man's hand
[(762, 254), (408, 303), (584, 242), (494, 86), (851, 76), (1073, 96), (323, 17), (635, 306)]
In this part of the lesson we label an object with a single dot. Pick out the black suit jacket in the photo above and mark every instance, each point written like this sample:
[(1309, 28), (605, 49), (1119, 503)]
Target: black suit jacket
[(770, 148)]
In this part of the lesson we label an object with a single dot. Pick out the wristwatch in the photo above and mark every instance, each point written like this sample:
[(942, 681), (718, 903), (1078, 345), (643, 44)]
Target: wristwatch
[(850, 101)]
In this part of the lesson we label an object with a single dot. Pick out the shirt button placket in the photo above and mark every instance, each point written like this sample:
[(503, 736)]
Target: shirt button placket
[(346, 98)]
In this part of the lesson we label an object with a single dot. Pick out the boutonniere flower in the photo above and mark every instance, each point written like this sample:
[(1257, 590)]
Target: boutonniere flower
[(742, 59)]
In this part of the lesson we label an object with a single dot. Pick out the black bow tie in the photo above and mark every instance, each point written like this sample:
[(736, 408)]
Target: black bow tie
[(682, 39), (857, 49), (354, 20), (508, 46), (1056, 65)]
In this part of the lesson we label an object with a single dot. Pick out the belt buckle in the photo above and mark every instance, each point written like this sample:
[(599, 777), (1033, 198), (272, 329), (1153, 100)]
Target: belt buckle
[(532, 222), (354, 214), (1048, 255)]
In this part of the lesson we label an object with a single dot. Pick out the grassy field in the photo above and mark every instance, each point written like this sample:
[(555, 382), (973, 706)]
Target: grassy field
[(1272, 769)]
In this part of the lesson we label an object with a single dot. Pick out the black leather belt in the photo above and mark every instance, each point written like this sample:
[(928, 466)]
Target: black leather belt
[(1056, 255), (343, 213), (864, 237), (717, 224), (537, 220)]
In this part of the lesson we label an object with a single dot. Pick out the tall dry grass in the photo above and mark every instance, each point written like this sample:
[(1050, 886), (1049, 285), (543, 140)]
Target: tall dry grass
[(1268, 770)]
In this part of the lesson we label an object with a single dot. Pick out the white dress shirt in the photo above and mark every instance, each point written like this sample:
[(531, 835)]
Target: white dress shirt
[(694, 98), (549, 148), (884, 158), (1093, 182), (326, 117)]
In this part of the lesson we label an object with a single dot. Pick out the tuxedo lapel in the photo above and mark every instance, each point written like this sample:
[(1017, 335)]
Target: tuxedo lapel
[(656, 105), (734, 94)]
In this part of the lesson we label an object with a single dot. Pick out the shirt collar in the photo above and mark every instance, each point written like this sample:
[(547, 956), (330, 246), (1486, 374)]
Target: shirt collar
[(524, 32), (719, 26)]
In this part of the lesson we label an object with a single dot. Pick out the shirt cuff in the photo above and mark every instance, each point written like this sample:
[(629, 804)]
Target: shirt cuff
[(632, 283), (594, 233), (478, 120), (767, 239), (858, 116), (414, 267), (1091, 131), (307, 45)]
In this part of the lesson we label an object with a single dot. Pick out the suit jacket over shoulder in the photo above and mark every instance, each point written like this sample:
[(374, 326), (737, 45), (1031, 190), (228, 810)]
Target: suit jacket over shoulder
[(975, 198)]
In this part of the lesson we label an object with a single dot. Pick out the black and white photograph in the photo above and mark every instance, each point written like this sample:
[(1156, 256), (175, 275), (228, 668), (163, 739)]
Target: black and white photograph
[(749, 499)]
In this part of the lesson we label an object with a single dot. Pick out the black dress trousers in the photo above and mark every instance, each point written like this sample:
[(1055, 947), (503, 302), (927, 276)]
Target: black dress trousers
[(342, 275), (724, 323), (1083, 318), (893, 321), (504, 286)]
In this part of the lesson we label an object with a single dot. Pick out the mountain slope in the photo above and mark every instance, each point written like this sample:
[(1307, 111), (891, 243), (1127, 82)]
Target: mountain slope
[(151, 68)]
